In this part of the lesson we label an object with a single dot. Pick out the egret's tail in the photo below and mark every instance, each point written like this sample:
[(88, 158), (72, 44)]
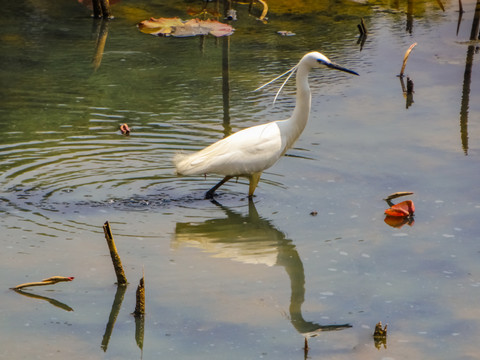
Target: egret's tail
[(180, 163), (214, 159), (189, 164)]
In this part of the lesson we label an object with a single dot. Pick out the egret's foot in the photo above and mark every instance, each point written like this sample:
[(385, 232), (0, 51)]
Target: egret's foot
[(209, 195)]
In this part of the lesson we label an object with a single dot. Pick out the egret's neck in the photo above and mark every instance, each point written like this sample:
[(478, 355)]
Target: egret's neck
[(301, 112)]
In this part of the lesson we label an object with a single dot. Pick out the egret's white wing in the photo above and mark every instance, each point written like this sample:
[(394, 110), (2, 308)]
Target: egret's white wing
[(245, 152)]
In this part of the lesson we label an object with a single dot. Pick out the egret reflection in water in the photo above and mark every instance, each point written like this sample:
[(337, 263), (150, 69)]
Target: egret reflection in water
[(251, 239)]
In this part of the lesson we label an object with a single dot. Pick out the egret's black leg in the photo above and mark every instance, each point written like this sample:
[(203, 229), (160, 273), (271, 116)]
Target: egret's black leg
[(209, 194)]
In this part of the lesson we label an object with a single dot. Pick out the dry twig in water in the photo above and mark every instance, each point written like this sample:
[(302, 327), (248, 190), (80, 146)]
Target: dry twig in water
[(140, 303), (395, 195), (48, 281), (405, 58), (117, 263), (362, 28)]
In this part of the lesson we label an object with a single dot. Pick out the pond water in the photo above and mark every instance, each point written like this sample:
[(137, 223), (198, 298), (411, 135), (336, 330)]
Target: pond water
[(310, 256)]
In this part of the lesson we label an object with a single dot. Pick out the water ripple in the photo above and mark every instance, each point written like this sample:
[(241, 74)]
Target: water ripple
[(76, 169)]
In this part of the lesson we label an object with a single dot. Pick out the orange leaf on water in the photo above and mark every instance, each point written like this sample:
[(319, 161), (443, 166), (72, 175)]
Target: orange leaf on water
[(398, 222), (403, 209), (124, 129), (396, 212)]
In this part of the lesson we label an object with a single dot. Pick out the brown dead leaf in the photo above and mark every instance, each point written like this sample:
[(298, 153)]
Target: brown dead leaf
[(179, 28), (160, 26)]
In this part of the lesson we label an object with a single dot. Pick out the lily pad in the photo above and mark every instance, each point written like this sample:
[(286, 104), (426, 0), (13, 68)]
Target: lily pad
[(179, 28)]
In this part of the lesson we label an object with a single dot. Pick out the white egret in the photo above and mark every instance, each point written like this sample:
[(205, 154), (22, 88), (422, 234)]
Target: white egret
[(248, 152)]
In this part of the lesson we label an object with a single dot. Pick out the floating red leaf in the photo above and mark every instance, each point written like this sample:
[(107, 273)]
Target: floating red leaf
[(124, 129), (398, 222), (404, 209)]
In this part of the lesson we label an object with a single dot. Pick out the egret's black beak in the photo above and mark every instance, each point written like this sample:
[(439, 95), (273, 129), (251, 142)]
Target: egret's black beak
[(341, 68)]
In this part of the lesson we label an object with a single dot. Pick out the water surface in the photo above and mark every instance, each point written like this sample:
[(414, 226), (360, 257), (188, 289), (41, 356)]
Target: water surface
[(239, 279)]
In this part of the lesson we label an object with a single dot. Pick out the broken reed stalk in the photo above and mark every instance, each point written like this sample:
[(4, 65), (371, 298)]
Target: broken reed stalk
[(405, 58), (140, 299), (105, 4), (379, 330), (139, 313), (440, 5), (101, 8), (117, 263), (362, 28), (395, 195), (264, 11), (97, 9), (398, 194), (49, 281), (380, 336)]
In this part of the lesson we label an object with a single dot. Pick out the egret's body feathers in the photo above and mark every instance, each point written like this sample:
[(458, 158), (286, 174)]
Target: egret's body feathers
[(247, 151)]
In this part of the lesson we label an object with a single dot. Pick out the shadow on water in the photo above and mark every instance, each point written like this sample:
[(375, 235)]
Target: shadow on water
[(467, 76), (100, 31), (407, 91), (116, 306), (50, 300), (251, 239)]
